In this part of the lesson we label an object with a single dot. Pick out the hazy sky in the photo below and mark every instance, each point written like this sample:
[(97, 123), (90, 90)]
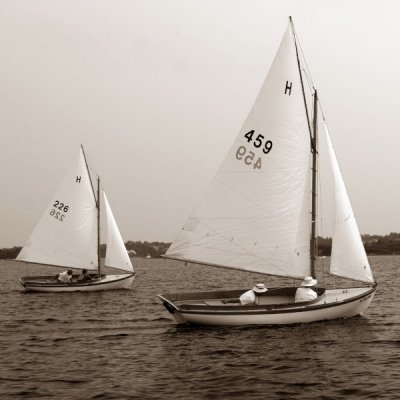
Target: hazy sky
[(157, 90)]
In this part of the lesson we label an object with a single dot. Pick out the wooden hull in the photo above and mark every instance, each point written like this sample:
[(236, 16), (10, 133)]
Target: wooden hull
[(275, 307), (48, 284)]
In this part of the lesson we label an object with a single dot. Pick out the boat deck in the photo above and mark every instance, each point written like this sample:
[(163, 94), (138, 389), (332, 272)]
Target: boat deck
[(274, 298), (52, 280)]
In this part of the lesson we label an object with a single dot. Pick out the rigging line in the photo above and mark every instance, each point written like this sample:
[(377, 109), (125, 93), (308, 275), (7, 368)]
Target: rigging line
[(303, 57), (301, 81), (322, 110), (96, 175), (89, 163), (309, 81), (313, 138)]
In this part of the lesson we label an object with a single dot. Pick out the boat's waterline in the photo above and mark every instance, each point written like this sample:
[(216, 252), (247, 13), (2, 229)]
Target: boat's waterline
[(107, 282), (276, 308)]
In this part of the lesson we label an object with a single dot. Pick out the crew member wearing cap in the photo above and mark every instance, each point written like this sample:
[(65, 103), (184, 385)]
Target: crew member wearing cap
[(250, 297), (306, 292)]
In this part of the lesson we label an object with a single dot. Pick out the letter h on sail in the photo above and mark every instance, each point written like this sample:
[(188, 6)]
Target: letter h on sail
[(288, 88)]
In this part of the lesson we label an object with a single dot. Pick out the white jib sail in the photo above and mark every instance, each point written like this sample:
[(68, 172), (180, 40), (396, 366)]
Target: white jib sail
[(66, 235), (348, 257), (116, 255), (255, 215)]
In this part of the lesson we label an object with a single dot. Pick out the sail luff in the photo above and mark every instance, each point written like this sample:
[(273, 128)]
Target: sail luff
[(88, 171), (301, 76)]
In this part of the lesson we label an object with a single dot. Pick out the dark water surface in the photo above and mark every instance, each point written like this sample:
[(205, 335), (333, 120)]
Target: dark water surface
[(124, 345)]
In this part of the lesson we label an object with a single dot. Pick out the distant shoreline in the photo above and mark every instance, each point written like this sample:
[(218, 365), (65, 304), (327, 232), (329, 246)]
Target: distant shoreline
[(375, 245), (137, 249)]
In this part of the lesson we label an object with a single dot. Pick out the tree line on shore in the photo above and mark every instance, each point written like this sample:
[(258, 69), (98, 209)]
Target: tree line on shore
[(374, 245), (140, 249)]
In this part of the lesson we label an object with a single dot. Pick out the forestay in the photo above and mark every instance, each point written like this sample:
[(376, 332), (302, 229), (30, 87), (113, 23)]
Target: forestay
[(66, 234), (255, 215), (348, 257), (116, 255)]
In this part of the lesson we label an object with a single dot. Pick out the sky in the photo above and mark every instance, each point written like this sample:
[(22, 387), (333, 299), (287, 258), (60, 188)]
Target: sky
[(157, 90)]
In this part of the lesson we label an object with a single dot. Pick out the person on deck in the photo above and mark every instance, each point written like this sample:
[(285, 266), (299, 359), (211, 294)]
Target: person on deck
[(306, 292), (65, 277), (250, 297), (84, 276)]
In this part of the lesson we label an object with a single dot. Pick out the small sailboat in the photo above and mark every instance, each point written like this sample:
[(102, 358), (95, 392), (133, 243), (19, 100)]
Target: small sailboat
[(68, 236), (259, 214)]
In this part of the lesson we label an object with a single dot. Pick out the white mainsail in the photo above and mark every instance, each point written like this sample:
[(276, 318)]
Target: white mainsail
[(116, 255), (348, 257), (66, 235), (255, 215)]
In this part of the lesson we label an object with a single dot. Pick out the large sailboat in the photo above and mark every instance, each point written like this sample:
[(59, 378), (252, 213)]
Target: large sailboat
[(68, 236), (259, 213)]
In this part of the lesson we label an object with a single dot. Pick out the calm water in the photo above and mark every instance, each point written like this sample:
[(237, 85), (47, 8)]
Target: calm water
[(124, 345)]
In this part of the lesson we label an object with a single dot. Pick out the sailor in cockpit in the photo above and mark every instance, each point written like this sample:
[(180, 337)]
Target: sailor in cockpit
[(306, 292)]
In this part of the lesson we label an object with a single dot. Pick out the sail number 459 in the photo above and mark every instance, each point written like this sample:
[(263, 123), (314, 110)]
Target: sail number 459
[(249, 156)]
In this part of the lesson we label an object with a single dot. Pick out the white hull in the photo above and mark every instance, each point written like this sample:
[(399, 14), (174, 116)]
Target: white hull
[(276, 307), (106, 282)]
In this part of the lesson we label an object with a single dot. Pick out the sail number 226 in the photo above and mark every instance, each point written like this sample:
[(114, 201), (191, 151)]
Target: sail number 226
[(249, 156), (59, 214)]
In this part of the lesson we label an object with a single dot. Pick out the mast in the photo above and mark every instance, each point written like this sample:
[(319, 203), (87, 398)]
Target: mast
[(98, 226), (97, 201), (313, 241), (313, 139)]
